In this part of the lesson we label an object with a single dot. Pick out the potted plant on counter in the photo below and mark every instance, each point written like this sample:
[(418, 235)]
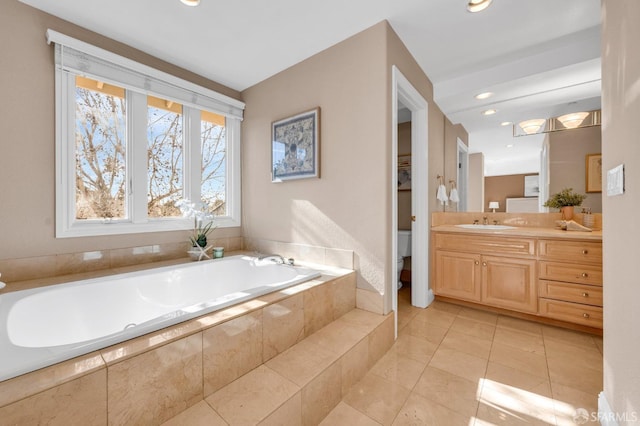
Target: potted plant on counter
[(202, 226), (565, 200)]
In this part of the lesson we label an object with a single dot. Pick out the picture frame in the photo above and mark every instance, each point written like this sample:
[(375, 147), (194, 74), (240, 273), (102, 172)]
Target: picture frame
[(295, 147), (532, 186), (593, 175), (404, 172)]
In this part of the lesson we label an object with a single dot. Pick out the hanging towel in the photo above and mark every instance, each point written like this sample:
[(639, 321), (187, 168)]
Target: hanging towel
[(442, 195), (453, 196)]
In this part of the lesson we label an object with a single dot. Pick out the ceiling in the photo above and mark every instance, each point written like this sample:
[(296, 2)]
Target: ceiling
[(540, 58)]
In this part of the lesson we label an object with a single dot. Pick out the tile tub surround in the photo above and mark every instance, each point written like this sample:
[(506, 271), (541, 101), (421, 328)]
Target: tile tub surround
[(104, 261), (31, 268), (154, 377)]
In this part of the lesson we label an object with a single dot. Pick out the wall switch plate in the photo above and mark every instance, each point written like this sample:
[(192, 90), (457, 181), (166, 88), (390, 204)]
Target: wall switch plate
[(615, 181)]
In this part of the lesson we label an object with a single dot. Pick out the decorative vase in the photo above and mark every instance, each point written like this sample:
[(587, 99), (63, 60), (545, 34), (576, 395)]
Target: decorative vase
[(567, 212)]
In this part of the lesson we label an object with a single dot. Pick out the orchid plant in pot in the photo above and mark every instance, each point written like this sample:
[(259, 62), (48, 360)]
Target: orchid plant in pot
[(202, 226), (565, 200)]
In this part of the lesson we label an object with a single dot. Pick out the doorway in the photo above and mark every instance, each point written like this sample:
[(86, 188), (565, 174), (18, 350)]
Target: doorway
[(403, 93)]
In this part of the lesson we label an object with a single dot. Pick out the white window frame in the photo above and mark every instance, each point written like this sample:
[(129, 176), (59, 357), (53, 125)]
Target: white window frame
[(74, 57)]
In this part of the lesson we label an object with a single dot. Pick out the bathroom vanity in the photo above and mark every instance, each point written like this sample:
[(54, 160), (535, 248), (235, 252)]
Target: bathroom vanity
[(543, 273)]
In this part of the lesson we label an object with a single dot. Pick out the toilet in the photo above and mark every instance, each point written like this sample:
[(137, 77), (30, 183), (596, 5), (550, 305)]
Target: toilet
[(404, 250)]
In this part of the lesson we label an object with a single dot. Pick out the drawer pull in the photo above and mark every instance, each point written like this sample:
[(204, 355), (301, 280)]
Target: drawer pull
[(477, 262), (484, 263), (586, 315), (584, 275), (585, 294), (585, 251)]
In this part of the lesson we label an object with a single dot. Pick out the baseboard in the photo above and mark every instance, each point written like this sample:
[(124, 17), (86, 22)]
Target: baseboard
[(430, 297), (606, 416)]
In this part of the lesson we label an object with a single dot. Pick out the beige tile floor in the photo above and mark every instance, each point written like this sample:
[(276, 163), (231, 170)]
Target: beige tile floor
[(459, 366), (450, 366)]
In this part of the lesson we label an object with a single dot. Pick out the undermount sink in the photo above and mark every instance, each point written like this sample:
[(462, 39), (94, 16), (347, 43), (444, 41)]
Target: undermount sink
[(487, 227)]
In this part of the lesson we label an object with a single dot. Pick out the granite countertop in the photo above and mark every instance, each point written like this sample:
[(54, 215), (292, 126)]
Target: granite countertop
[(522, 231)]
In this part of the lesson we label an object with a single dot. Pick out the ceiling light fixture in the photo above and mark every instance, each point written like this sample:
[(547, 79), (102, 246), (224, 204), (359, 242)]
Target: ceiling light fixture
[(573, 120), (531, 127), (190, 2), (478, 5), (505, 123), (483, 95), (489, 111)]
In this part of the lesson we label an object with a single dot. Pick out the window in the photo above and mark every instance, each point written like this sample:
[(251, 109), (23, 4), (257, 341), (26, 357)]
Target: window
[(132, 142)]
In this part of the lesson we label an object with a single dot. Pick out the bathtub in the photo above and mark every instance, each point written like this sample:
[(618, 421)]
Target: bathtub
[(46, 325)]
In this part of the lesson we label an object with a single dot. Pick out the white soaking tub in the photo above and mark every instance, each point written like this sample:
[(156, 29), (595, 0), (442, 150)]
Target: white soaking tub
[(46, 325)]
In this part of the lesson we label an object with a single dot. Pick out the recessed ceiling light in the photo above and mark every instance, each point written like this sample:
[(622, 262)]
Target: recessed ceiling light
[(505, 123), (510, 145), (190, 2), (489, 111), (484, 95), (478, 5)]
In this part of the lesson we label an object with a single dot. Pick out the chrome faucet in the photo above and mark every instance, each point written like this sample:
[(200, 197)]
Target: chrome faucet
[(277, 259)]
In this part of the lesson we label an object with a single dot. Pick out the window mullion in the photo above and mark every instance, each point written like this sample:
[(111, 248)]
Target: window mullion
[(137, 158), (233, 175), (193, 154)]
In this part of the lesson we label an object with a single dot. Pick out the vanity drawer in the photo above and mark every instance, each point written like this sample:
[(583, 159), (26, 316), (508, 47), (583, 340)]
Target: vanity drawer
[(571, 251), (586, 294), (581, 274), (488, 245), (590, 316)]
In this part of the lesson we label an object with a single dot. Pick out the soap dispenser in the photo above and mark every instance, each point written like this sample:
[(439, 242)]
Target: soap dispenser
[(587, 217)]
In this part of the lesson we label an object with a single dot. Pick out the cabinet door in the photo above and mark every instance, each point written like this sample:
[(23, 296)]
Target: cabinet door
[(458, 275), (509, 283)]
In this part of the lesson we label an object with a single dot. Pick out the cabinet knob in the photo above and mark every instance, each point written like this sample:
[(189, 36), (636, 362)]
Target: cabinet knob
[(477, 262), (585, 251), (585, 294), (484, 263), (585, 315), (583, 275), (413, 218)]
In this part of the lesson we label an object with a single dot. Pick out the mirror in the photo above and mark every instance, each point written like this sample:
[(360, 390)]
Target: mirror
[(563, 164)]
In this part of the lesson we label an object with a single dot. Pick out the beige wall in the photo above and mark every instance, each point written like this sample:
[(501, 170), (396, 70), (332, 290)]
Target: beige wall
[(346, 207), (567, 158), (349, 206), (620, 130), (27, 220), (452, 132), (499, 188)]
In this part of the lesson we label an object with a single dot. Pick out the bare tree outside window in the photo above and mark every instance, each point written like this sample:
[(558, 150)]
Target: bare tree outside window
[(100, 150), (165, 157), (214, 153), (101, 155)]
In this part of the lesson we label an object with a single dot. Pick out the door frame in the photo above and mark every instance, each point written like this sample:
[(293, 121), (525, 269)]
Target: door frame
[(402, 91)]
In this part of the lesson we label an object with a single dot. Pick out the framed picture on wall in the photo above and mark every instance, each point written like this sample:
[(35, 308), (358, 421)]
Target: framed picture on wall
[(594, 173), (532, 186), (295, 147), (404, 172)]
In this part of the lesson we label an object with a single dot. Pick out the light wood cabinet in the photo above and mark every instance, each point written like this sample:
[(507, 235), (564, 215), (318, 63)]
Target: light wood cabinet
[(458, 275), (551, 278), (570, 284), (501, 281), (509, 283)]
